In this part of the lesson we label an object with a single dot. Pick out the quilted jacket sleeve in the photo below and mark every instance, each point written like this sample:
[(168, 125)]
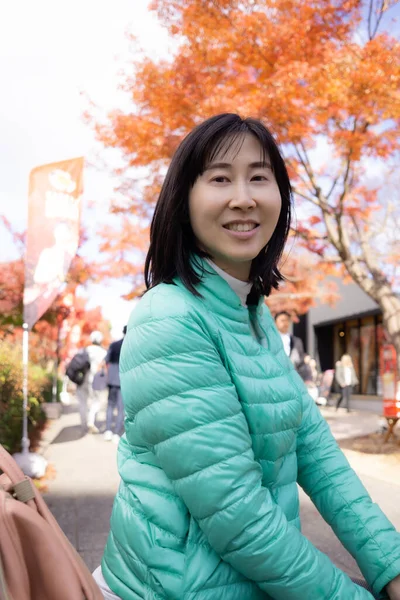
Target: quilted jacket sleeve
[(326, 476), (188, 414)]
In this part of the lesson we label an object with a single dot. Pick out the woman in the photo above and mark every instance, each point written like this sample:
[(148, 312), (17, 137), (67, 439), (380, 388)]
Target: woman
[(346, 377), (219, 426)]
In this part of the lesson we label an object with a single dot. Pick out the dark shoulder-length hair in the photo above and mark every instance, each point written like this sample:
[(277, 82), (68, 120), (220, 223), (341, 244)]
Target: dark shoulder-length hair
[(172, 241)]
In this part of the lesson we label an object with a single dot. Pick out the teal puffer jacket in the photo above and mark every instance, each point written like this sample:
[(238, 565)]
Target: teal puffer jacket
[(218, 431)]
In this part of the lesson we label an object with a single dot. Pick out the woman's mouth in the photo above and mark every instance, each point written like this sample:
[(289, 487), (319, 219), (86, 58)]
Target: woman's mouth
[(241, 226), (242, 230)]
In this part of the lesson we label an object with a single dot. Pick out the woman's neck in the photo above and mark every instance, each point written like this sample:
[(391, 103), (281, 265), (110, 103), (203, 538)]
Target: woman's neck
[(239, 271)]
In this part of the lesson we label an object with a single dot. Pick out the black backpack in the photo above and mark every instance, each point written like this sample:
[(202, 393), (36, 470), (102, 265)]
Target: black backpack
[(78, 367)]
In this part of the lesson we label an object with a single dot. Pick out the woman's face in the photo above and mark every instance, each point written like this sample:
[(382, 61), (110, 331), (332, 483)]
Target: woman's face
[(234, 207)]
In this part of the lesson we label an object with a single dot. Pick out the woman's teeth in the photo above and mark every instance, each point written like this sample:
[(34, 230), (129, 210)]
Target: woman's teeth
[(241, 226)]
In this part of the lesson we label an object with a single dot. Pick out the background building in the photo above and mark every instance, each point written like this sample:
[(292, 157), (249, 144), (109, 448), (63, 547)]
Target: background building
[(352, 325)]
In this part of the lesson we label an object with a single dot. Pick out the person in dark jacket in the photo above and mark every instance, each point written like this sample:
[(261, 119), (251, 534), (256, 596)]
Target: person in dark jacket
[(114, 429), (293, 345)]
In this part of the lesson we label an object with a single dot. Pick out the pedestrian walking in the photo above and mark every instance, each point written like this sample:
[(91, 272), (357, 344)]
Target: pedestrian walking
[(311, 376), (89, 399), (220, 428), (314, 373), (292, 345), (114, 428), (346, 378)]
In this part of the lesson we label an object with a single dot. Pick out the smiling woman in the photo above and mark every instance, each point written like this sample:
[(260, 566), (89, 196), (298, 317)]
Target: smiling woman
[(234, 206), (219, 426), (226, 175)]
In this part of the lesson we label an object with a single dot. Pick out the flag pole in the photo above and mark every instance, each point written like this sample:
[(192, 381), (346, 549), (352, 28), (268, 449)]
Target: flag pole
[(33, 465), (25, 358)]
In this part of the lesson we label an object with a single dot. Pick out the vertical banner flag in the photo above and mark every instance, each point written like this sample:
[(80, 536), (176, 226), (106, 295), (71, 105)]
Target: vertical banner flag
[(54, 212)]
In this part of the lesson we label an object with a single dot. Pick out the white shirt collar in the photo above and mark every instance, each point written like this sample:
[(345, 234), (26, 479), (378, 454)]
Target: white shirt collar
[(286, 342)]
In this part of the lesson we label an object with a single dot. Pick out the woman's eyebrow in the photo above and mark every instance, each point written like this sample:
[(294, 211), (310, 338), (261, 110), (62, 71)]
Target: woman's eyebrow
[(219, 165), (263, 164), (253, 165)]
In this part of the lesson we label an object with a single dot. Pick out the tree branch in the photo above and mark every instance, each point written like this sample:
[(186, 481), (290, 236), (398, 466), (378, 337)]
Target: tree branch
[(308, 198), (373, 30), (333, 260), (339, 215), (306, 166), (335, 181), (305, 162), (293, 165), (310, 237), (376, 231), (370, 11)]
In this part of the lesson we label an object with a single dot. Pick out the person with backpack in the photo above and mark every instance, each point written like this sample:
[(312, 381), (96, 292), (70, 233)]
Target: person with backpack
[(78, 367), (114, 429), (89, 398)]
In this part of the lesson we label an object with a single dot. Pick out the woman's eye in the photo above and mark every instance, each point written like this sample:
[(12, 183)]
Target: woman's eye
[(220, 179), (259, 178)]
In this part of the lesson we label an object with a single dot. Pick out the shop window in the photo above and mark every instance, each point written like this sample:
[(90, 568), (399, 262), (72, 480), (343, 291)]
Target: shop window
[(361, 338)]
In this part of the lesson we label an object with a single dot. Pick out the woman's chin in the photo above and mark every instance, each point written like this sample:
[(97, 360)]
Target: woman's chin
[(242, 255)]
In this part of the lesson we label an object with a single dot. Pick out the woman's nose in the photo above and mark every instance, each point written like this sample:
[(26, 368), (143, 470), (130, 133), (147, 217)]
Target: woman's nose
[(242, 197)]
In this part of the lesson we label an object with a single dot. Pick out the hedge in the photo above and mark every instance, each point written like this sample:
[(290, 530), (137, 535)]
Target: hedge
[(11, 398)]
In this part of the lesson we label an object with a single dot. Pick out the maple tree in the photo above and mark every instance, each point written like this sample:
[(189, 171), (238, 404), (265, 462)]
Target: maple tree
[(325, 77), (304, 285)]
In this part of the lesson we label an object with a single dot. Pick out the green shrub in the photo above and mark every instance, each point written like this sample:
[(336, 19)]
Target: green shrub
[(48, 388), (11, 398)]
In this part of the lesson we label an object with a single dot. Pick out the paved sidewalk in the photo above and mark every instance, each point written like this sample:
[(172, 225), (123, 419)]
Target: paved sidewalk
[(353, 424), (86, 482), (82, 493)]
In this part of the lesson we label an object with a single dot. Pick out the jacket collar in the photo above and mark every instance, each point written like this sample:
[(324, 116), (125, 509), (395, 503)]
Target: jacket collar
[(241, 288), (217, 295)]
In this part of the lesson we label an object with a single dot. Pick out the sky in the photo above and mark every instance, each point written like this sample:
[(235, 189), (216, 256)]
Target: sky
[(51, 54)]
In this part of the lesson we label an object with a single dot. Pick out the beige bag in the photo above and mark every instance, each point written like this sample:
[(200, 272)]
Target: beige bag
[(37, 562)]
